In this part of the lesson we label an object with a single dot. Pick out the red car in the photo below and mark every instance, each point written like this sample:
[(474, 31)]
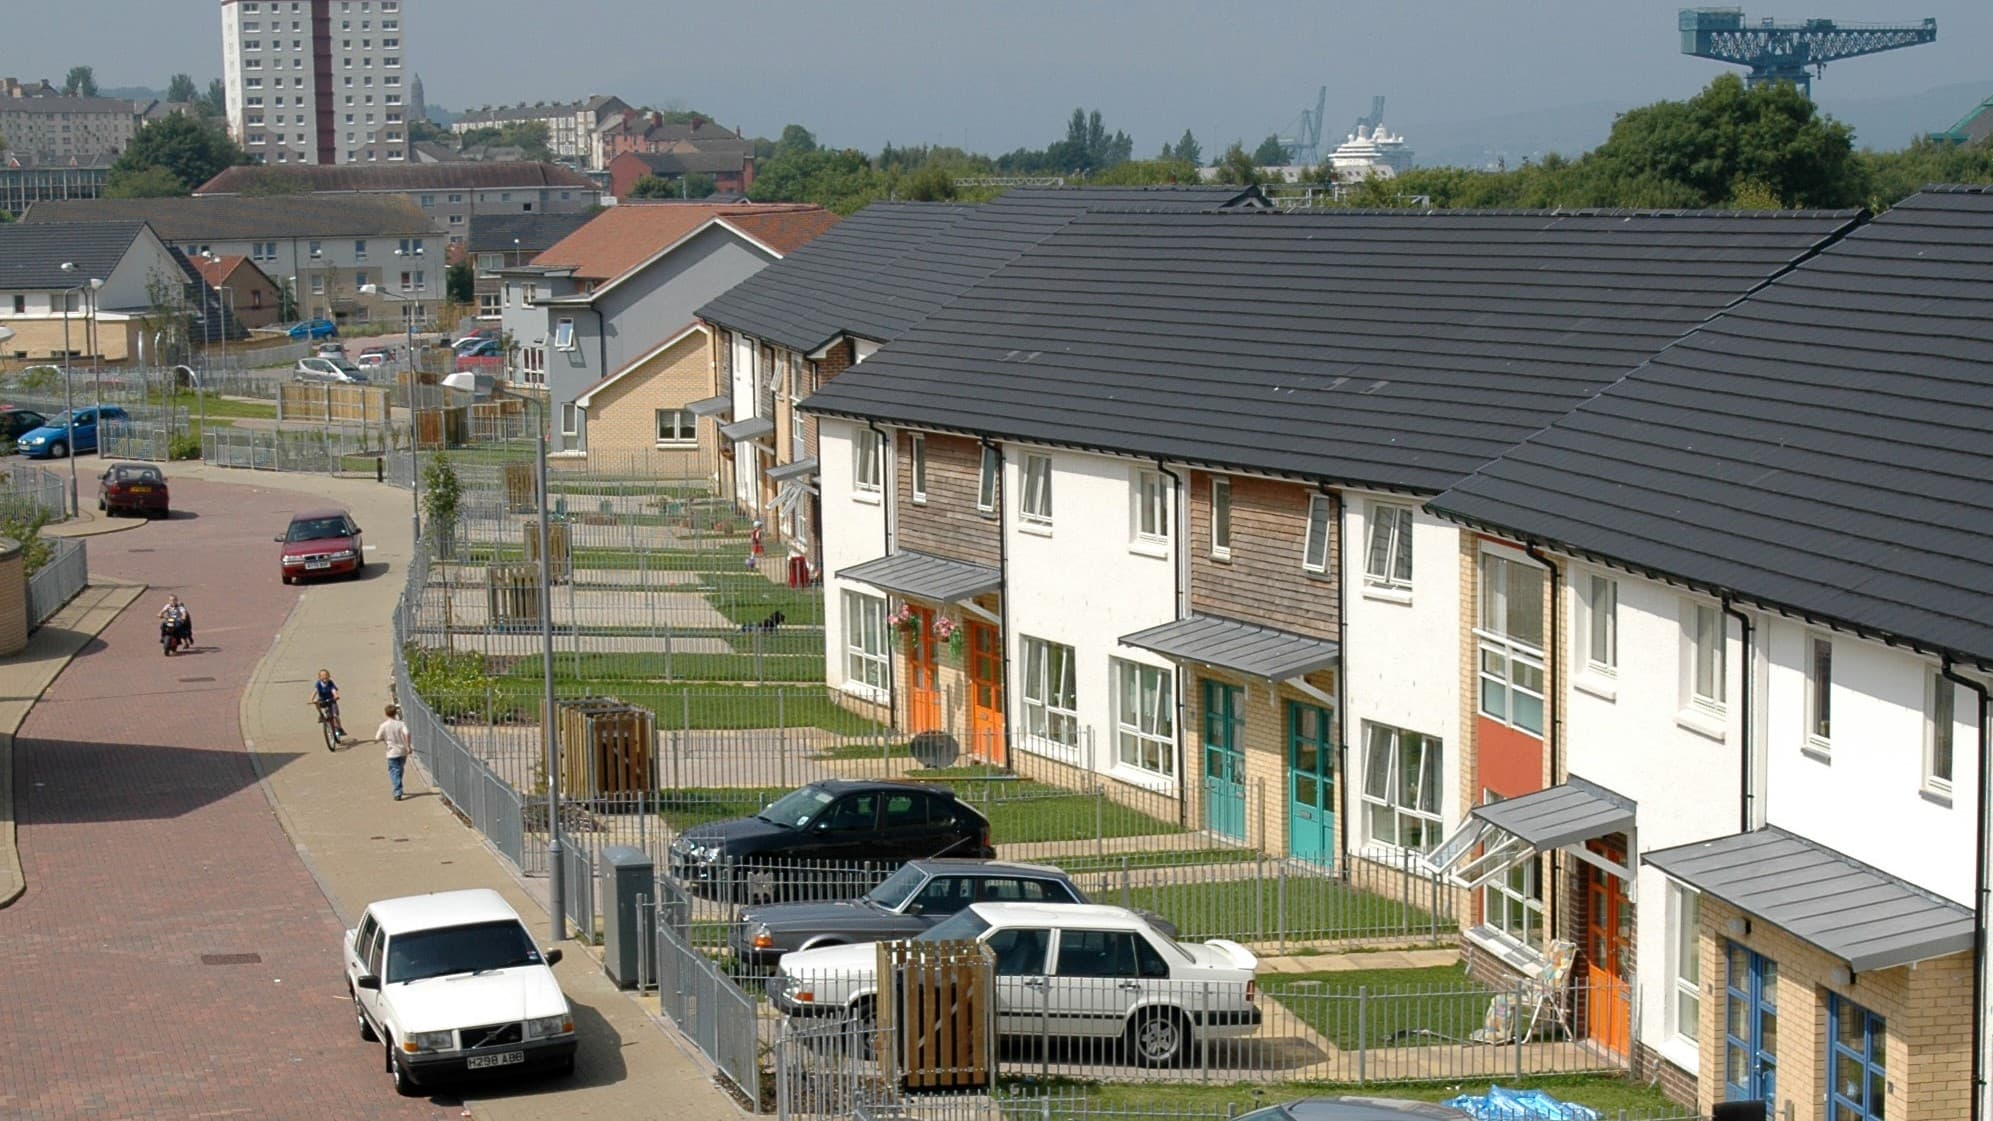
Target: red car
[(132, 488), (320, 543)]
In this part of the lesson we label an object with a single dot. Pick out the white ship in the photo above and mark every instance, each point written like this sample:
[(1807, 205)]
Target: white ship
[(1370, 152)]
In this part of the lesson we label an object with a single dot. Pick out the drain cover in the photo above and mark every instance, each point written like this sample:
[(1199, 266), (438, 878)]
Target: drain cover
[(191, 680), (231, 959)]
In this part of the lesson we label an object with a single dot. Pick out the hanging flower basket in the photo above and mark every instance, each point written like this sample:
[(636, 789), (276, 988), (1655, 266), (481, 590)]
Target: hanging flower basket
[(948, 631), (907, 623)]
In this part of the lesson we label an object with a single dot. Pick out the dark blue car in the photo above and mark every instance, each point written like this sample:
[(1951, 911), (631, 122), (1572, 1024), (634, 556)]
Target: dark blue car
[(51, 440)]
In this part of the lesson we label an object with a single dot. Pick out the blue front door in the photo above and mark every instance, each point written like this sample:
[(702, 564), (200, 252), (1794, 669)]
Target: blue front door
[(1224, 762), (1857, 1076), (1311, 785), (1750, 1031)]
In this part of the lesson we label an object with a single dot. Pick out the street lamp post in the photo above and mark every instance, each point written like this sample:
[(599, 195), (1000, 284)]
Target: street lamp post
[(414, 430), (69, 392)]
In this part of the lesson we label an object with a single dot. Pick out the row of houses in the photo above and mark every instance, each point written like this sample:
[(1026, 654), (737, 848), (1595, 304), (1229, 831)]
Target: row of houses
[(1628, 567)]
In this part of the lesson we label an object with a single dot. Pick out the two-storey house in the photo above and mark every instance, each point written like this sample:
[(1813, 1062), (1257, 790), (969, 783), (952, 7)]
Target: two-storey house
[(1769, 643), (85, 290), (502, 241)]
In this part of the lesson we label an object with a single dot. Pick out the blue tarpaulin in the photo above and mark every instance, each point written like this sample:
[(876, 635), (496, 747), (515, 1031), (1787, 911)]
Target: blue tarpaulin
[(1519, 1105)]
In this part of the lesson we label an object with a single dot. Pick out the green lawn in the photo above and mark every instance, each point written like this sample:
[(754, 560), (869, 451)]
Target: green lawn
[(650, 667), (1255, 908), (1399, 1007), (707, 705), (1108, 863), (749, 598), (1605, 1093), (726, 561)]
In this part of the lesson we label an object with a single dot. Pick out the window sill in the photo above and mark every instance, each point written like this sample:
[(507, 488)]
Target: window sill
[(1598, 685), (1160, 550), (865, 692), (1146, 780), (919, 500), (1050, 749), (1504, 947), (1681, 1052), (868, 497), (1385, 594), (1702, 723), (678, 445), (1936, 797), (1035, 529), (1221, 556), (1818, 752)]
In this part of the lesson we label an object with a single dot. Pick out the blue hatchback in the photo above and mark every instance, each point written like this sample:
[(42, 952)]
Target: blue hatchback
[(51, 440), (314, 329)]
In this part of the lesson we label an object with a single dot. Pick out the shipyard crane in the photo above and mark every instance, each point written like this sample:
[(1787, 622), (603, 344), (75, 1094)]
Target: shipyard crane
[(1305, 146), (1791, 52)]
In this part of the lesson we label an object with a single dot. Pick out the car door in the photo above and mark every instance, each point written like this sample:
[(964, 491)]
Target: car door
[(353, 531), (363, 958), (1095, 983), (86, 431), (941, 897), (847, 830), (1020, 954), (907, 830)]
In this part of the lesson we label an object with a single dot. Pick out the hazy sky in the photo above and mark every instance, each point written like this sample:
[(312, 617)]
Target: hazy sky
[(993, 76)]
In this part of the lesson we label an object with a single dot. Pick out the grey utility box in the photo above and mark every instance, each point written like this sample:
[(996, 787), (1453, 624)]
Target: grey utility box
[(628, 874)]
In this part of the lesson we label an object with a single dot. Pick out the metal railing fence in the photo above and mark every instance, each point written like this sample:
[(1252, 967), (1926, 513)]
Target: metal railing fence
[(324, 451), (715, 1014), (59, 579), (30, 490)]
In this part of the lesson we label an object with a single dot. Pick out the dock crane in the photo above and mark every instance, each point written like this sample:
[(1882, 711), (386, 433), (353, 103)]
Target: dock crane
[(1305, 147), (1791, 52)]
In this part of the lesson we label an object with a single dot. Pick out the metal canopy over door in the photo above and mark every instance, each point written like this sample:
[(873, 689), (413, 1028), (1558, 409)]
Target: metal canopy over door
[(923, 681), (1608, 942), (1311, 785), (985, 692), (1750, 1026), (1224, 761)]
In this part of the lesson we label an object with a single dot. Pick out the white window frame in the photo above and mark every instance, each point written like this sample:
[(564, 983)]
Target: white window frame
[(1221, 518), (1940, 734), (1817, 711), (917, 468), (1315, 542), (987, 481), (1519, 891), (1051, 696), (1034, 497), (1389, 568), (1144, 739), (570, 419), (564, 333), (1151, 520), (1383, 792), (868, 476), (1684, 1016), (1598, 623), (867, 651), (682, 421), (1705, 641), (1506, 663)]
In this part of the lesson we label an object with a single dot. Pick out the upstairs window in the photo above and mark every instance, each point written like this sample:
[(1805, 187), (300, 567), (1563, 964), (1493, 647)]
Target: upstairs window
[(916, 467), (1034, 506), (1315, 548), (1388, 563), (1221, 518), (1152, 518), (866, 468), (986, 486)]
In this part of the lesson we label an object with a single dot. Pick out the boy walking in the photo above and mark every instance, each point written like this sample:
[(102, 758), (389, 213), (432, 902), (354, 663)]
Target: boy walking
[(394, 733)]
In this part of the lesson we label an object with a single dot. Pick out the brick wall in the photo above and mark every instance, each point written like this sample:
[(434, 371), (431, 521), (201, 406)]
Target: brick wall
[(1262, 711), (948, 523), (622, 419), (1263, 580), (41, 338)]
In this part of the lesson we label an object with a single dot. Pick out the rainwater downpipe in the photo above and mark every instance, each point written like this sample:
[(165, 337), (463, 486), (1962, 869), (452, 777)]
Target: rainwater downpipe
[(886, 495), (1980, 891), (1746, 799), (1003, 591), (1179, 556), (1553, 688), (1345, 821)]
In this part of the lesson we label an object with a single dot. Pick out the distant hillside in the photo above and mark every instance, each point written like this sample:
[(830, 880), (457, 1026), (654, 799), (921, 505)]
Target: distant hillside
[(1889, 123)]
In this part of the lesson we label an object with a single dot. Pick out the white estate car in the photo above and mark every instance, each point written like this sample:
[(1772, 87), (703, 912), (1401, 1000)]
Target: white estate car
[(1072, 971), (451, 984)]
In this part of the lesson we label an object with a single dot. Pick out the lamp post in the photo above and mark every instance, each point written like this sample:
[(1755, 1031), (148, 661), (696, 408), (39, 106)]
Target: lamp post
[(69, 392), (414, 433)]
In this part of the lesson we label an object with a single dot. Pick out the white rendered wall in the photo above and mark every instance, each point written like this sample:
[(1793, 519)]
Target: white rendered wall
[(854, 531)]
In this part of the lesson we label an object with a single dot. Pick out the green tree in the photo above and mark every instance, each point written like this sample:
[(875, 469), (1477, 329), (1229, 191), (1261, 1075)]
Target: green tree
[(214, 103), (442, 494), (698, 185), (461, 282), (529, 136), (180, 87), (81, 82), (151, 182), (1270, 153), (843, 181), (1146, 173), (428, 132), (932, 183), (1238, 166), (1187, 150), (192, 151), (654, 187), (796, 140)]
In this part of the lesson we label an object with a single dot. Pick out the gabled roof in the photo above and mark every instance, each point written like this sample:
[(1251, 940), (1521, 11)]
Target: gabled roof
[(588, 395), (215, 271), (237, 218), (910, 258), (32, 254), (450, 176), (623, 238), (681, 163), (491, 233), (1390, 349), (1820, 447)]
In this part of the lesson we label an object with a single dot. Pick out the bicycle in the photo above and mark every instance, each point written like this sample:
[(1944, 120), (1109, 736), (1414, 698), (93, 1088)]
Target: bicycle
[(325, 724)]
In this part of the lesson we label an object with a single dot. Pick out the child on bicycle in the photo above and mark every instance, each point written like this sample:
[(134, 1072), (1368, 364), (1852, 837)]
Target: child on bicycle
[(325, 695)]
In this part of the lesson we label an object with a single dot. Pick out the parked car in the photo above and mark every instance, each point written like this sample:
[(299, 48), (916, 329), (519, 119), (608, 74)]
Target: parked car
[(320, 543), (479, 385), (450, 984), (482, 334), (371, 361), (919, 895), (833, 820), (16, 423), (328, 371), (487, 356), (330, 350), (1079, 971), (51, 440), (1358, 1109), (132, 488), (314, 329)]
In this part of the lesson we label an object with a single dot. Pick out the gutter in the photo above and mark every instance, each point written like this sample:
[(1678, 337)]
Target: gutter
[(1980, 891), (1178, 560), (1344, 820), (1746, 780)]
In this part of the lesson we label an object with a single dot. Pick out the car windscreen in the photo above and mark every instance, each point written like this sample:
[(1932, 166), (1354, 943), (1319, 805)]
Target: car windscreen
[(136, 475), (343, 366), (897, 888), (316, 529), (796, 808), (459, 949), (962, 926), (61, 420)]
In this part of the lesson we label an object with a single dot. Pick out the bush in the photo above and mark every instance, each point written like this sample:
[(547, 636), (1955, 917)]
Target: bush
[(24, 523), (187, 445)]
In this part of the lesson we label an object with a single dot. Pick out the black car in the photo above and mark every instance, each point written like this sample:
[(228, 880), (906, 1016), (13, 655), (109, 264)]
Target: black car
[(832, 823), (15, 423)]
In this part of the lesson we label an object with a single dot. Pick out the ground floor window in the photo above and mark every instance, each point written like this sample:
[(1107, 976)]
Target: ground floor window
[(1513, 904), (865, 640), (1401, 787), (677, 426), (1685, 958), (1858, 1079), (1144, 717), (1051, 700)]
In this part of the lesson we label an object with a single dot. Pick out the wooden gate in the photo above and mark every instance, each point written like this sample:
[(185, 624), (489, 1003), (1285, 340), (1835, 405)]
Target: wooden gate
[(606, 747), (512, 596), (937, 1014)]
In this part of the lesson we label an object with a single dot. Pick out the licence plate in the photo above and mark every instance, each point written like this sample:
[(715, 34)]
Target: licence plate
[(318, 564), (502, 1059), (141, 490)]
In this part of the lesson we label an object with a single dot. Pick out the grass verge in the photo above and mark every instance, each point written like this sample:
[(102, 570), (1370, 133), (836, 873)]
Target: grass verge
[(1605, 1093), (1384, 1007)]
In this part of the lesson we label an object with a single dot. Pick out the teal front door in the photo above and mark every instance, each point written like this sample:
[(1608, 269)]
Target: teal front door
[(1311, 785), (1224, 761)]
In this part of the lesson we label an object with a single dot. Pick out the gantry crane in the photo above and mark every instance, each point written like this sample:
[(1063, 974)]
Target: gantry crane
[(1791, 52)]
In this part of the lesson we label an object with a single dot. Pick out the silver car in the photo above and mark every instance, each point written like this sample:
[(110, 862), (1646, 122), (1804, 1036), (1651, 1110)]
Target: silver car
[(328, 371)]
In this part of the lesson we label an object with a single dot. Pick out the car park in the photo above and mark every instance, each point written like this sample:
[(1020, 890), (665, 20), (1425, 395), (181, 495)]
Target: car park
[(451, 985), (1078, 972), (16, 423), (313, 329), (51, 440), (132, 488), (919, 895), (320, 543), (328, 371), (832, 821)]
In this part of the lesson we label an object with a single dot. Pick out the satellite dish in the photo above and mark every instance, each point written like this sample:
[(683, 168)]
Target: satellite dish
[(935, 750)]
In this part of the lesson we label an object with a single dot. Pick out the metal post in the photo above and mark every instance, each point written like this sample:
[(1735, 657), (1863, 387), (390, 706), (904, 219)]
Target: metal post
[(69, 406), (556, 897)]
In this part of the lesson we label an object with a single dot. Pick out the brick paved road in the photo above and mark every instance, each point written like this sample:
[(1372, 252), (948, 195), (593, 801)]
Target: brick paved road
[(148, 844)]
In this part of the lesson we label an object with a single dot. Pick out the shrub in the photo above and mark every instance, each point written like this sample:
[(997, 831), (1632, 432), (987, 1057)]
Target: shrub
[(186, 445)]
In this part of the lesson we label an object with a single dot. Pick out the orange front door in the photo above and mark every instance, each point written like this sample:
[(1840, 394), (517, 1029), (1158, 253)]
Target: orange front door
[(985, 650), (1608, 1003), (923, 684)]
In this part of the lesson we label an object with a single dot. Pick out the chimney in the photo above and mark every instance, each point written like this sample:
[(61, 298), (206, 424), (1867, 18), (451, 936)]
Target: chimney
[(656, 119)]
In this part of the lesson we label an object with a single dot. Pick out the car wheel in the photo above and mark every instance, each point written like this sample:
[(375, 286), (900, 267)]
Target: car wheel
[(1160, 1038), (366, 1030), (864, 1028), (100, 504), (58, 451), (404, 1083)]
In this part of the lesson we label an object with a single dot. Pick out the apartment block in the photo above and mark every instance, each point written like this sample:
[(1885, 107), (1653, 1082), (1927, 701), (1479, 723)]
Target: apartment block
[(316, 81)]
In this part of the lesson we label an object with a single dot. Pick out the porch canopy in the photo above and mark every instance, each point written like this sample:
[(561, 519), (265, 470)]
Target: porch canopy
[(1512, 831), (753, 428), (1859, 914), (929, 578), (722, 407), (1248, 648), (801, 469)]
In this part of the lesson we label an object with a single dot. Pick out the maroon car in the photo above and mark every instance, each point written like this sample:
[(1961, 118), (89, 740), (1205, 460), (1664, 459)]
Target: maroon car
[(320, 543), (132, 488)]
